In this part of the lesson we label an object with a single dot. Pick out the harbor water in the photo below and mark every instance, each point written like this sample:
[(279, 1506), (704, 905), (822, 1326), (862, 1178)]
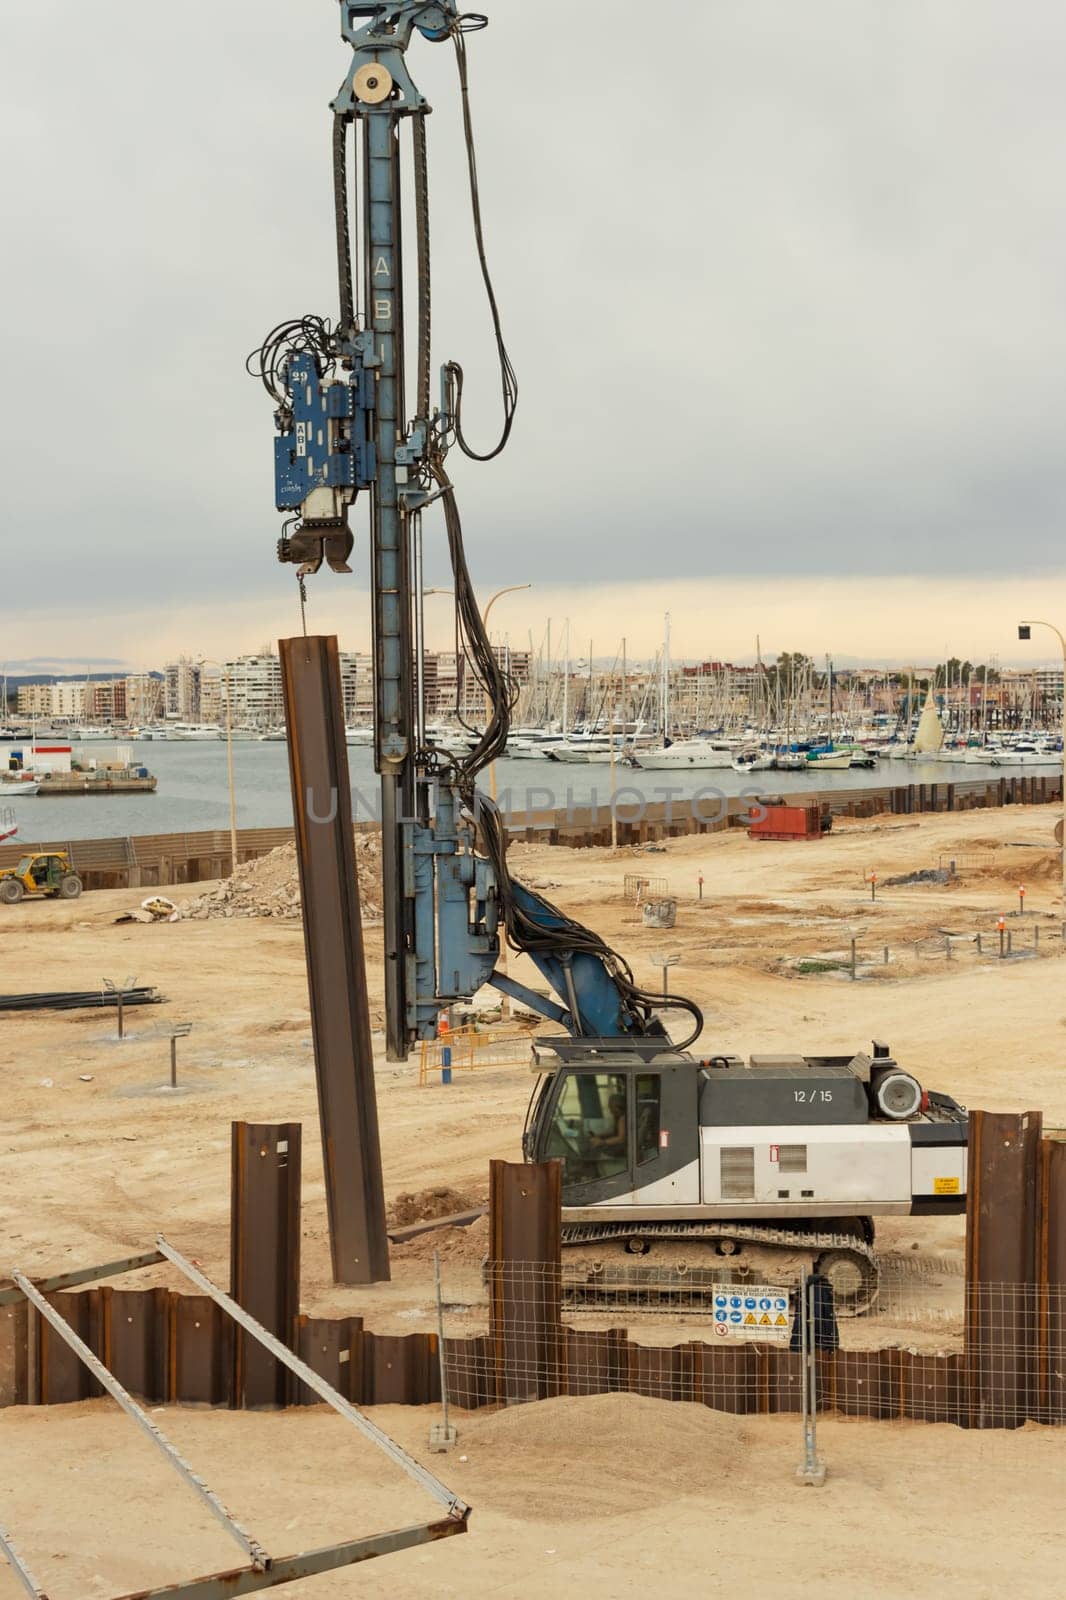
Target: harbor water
[(192, 794)]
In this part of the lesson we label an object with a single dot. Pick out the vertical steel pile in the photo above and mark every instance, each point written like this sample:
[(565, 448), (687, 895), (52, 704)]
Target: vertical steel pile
[(1051, 1277), (1001, 1258), (525, 1328), (336, 974), (264, 1253)]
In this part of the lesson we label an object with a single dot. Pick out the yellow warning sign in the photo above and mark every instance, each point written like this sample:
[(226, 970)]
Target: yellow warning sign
[(764, 1321), (782, 1322), (945, 1185), (750, 1318)]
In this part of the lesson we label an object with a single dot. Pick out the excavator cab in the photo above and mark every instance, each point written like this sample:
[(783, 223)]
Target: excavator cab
[(40, 875), (620, 1120)]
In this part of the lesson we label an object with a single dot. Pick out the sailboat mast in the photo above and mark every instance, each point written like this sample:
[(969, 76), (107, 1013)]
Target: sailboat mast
[(566, 677), (666, 680)]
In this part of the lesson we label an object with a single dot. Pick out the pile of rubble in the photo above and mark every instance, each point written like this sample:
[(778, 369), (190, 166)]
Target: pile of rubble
[(270, 885)]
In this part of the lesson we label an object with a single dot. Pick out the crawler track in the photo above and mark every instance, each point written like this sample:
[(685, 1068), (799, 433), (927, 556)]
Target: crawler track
[(615, 1262)]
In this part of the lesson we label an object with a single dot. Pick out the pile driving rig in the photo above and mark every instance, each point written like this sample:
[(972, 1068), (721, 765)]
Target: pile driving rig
[(667, 1155)]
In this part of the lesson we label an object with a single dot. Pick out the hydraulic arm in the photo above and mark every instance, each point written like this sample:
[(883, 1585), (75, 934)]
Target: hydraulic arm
[(344, 424)]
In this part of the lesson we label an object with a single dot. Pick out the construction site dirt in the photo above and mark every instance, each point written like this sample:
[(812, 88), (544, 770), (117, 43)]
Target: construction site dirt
[(786, 948)]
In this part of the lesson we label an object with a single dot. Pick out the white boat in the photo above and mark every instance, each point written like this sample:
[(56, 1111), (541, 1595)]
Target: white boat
[(447, 736), (830, 760), (698, 754), (566, 752), (790, 761), (526, 750), (1025, 755), (358, 735), (753, 761), (194, 730), (18, 788), (273, 736), (582, 749)]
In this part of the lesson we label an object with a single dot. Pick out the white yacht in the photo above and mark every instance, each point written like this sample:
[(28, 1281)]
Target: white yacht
[(698, 754), (1025, 754), (359, 735), (194, 730)]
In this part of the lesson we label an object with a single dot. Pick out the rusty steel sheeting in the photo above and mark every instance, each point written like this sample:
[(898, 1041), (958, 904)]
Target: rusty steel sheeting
[(594, 1362), (424, 1478), (264, 1252), (61, 1377), (1051, 1275), (525, 1290), (332, 1347), (402, 1369), (399, 1370), (929, 1386), (336, 971), (136, 1343), (287, 1569), (200, 1345), (470, 1372), (1001, 1240)]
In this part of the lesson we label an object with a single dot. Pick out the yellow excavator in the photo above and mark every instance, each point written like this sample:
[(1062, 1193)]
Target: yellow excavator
[(38, 876)]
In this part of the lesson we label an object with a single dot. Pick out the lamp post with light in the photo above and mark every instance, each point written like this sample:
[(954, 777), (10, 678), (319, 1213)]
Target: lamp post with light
[(1025, 632)]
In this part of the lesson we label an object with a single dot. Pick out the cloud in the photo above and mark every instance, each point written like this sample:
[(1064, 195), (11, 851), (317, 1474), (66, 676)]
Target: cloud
[(900, 620), (782, 283)]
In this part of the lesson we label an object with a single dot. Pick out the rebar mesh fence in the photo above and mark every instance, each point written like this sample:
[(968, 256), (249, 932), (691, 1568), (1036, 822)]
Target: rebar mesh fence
[(929, 1347)]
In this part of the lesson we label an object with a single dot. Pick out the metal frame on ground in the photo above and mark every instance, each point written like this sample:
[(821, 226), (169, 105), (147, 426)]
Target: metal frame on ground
[(265, 1571)]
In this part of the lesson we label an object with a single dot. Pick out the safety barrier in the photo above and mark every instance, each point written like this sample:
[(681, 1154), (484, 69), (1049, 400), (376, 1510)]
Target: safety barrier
[(637, 888), (464, 1049)]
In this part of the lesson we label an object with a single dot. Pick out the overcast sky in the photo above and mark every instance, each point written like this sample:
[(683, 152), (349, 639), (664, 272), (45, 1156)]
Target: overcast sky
[(785, 285)]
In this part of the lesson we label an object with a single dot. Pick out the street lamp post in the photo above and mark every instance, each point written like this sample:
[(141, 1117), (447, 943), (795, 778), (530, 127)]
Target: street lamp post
[(207, 661), (1025, 632)]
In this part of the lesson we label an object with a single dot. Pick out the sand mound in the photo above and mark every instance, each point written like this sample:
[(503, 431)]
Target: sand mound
[(1028, 866), (270, 885), (427, 1204), (464, 1246), (577, 1452)]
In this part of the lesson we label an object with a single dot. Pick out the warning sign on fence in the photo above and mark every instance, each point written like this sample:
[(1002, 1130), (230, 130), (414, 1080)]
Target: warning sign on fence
[(742, 1312)]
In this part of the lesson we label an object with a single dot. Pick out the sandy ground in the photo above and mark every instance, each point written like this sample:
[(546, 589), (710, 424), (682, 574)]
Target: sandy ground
[(616, 1495), (98, 1155)]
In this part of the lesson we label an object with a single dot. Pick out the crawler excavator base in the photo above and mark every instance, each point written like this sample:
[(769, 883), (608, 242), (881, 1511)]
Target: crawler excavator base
[(677, 1265)]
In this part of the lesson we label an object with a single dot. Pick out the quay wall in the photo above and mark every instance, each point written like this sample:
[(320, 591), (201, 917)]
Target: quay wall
[(148, 861)]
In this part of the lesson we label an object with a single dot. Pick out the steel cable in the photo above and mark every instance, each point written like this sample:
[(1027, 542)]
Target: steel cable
[(422, 369), (508, 377), (342, 226)]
